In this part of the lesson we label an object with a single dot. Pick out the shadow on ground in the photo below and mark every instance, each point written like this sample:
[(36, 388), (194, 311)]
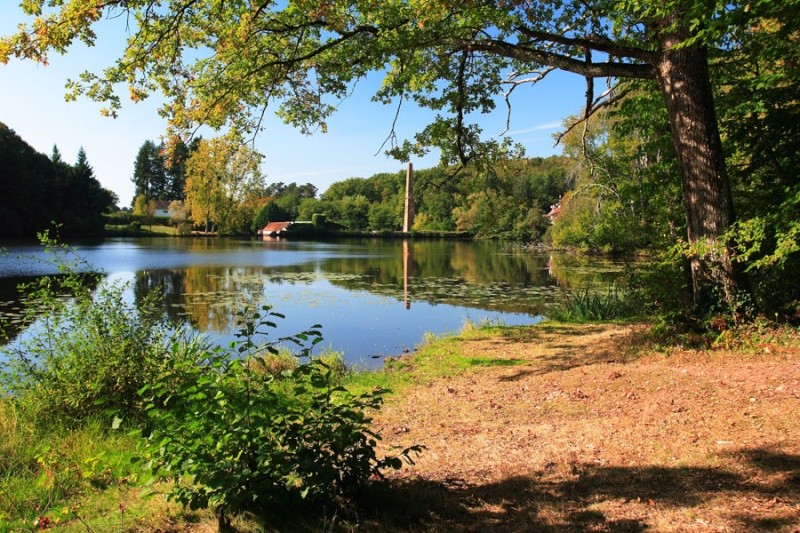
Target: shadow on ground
[(559, 355), (569, 503)]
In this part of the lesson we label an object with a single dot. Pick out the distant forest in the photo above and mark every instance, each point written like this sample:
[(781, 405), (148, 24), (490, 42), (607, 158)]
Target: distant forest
[(508, 200), (40, 192)]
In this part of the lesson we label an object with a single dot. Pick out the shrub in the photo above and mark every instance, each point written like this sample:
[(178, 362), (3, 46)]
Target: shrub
[(241, 439), (588, 305), (239, 429), (87, 352), (319, 220)]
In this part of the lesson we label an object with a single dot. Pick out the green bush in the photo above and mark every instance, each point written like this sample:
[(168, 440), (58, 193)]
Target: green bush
[(88, 351), (241, 439), (319, 220), (238, 429)]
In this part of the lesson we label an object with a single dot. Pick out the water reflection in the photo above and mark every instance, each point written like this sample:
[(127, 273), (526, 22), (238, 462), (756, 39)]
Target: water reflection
[(572, 271), (481, 274), (406, 273), (362, 291)]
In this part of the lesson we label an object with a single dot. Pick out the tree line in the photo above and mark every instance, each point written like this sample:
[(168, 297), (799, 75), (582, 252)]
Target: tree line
[(41, 192), (715, 83), (507, 200), (217, 185)]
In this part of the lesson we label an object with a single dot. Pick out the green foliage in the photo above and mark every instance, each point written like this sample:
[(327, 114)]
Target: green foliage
[(38, 192), (661, 285), (159, 171), (759, 95), (591, 306), (271, 212), (507, 200), (319, 220), (89, 351), (150, 172), (238, 429), (626, 187), (385, 217), (289, 199), (240, 438)]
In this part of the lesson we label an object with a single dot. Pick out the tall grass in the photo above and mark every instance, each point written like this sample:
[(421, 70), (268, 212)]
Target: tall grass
[(590, 306), (44, 466), (239, 429)]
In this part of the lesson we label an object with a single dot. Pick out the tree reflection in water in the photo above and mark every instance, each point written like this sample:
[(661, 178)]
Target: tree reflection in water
[(361, 291)]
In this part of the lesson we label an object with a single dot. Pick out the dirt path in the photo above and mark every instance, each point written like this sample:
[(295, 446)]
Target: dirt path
[(575, 428)]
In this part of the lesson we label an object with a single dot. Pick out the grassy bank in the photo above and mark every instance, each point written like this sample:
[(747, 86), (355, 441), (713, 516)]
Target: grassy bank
[(552, 427), (140, 231)]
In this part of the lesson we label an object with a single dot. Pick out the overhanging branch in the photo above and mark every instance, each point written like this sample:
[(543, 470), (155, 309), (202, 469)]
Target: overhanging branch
[(598, 43), (607, 69), (607, 99)]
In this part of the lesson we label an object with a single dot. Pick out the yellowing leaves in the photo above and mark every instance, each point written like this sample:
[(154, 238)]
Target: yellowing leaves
[(137, 94)]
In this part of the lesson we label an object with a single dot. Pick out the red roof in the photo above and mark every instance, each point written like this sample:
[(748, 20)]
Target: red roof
[(554, 212), (275, 228)]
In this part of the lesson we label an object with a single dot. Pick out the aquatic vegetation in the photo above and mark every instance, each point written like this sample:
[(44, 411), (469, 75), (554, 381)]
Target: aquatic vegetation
[(588, 305)]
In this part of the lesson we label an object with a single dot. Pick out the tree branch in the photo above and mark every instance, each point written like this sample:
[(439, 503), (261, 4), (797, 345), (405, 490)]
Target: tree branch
[(461, 82), (596, 106), (392, 136), (516, 83), (598, 43), (519, 52)]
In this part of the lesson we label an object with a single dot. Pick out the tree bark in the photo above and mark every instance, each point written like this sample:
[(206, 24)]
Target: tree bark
[(684, 81)]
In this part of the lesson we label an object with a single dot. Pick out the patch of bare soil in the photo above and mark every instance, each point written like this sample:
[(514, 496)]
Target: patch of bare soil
[(589, 431)]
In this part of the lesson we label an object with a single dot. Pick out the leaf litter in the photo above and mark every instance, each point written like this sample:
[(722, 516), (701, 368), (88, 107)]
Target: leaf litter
[(597, 432)]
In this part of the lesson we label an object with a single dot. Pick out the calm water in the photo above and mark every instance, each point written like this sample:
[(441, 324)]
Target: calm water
[(373, 297)]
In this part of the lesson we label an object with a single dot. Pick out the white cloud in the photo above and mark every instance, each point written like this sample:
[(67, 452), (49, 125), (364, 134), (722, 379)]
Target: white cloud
[(541, 127)]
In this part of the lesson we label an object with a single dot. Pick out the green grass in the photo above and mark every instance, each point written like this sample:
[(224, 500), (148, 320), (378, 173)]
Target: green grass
[(592, 306), (80, 477), (436, 357), (47, 472), (127, 231)]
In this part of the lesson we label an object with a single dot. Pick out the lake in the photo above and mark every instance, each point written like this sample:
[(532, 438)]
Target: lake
[(373, 297)]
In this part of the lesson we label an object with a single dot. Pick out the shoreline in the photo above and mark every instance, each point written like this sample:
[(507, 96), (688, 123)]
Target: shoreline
[(575, 427)]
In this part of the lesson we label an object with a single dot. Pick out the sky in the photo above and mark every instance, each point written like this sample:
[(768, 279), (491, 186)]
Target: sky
[(32, 104)]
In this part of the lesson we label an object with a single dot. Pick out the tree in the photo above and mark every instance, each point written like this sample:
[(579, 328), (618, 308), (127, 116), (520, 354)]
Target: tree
[(25, 183), (176, 156), (271, 212), (81, 198), (150, 172), (225, 62), (624, 195), (223, 180), (38, 190), (142, 206), (55, 156)]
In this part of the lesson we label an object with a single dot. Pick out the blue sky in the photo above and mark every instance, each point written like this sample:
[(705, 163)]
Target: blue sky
[(32, 104)]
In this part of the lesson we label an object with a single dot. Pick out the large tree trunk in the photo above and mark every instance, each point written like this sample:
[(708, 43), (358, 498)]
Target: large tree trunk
[(684, 81)]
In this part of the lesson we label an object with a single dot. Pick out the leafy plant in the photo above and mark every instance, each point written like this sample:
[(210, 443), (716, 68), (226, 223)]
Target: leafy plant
[(238, 428), (88, 351), (241, 439), (587, 305)]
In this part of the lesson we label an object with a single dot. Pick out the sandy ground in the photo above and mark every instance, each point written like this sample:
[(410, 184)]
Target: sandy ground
[(584, 428)]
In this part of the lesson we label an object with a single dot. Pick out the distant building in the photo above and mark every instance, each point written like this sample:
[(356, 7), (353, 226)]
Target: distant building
[(555, 210), (161, 208), (275, 229)]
